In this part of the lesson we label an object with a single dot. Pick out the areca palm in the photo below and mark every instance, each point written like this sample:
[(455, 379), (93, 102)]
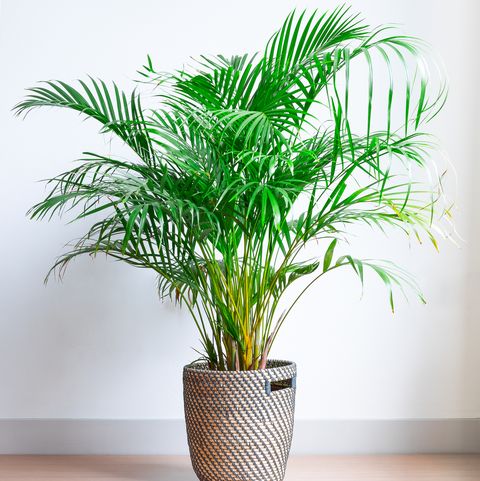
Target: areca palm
[(243, 161)]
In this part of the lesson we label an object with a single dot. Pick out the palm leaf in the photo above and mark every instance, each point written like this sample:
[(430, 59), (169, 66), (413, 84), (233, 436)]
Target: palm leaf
[(242, 161)]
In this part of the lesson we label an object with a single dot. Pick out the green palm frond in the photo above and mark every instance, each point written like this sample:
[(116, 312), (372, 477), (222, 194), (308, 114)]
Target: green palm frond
[(244, 160)]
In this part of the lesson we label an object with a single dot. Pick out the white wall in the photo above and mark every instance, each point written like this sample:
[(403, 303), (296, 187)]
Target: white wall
[(100, 345)]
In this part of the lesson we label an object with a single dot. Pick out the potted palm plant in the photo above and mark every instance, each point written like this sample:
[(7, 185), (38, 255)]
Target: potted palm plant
[(237, 165)]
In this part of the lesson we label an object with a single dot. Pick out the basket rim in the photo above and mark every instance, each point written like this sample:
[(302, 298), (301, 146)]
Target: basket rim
[(202, 366)]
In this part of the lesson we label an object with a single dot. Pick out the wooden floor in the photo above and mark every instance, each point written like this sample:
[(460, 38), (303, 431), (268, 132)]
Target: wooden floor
[(177, 468)]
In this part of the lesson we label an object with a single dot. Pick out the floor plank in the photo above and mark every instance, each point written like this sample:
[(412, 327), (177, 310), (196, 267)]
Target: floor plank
[(300, 468)]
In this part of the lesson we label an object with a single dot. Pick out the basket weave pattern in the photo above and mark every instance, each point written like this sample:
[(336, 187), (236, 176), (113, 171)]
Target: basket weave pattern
[(239, 425)]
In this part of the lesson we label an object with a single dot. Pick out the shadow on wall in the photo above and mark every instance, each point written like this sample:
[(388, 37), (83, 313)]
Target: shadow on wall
[(472, 283)]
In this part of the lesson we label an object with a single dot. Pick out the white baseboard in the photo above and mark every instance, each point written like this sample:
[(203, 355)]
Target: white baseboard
[(92, 436)]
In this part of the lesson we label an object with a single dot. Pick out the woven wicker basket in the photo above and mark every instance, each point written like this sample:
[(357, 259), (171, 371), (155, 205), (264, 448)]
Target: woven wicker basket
[(239, 423)]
